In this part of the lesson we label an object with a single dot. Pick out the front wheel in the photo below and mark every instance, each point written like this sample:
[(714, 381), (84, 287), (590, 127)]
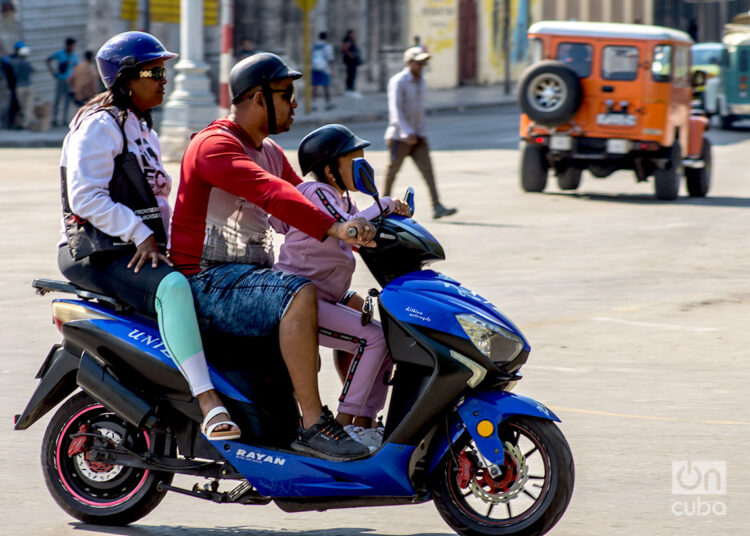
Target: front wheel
[(527, 497), (91, 490), (667, 180), (569, 178), (699, 179)]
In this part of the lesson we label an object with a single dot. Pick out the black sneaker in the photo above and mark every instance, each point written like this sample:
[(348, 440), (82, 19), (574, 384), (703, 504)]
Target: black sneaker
[(439, 211), (327, 439)]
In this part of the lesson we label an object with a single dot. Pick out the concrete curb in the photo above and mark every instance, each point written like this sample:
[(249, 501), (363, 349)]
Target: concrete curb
[(51, 139)]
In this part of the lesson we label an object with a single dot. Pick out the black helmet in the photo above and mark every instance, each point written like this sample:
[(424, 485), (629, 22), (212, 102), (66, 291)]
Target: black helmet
[(325, 144), (258, 70)]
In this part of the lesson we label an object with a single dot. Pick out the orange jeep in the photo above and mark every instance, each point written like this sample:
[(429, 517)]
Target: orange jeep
[(605, 96)]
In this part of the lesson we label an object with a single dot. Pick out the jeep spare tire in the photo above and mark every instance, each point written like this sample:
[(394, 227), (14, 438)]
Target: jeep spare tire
[(550, 93)]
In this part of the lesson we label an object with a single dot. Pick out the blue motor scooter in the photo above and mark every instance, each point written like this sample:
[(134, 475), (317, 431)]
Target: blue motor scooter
[(492, 461)]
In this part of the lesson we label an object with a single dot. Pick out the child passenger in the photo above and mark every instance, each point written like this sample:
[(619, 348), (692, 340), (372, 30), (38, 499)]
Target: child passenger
[(329, 153)]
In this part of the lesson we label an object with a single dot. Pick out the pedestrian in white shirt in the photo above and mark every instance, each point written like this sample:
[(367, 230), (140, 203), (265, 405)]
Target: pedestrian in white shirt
[(406, 135)]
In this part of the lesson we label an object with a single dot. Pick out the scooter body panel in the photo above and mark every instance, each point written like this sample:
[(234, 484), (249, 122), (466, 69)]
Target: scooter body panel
[(285, 474), (432, 300), (143, 334)]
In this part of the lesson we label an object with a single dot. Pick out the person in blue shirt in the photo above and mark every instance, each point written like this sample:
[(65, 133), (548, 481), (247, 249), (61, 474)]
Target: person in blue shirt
[(18, 71), (65, 60)]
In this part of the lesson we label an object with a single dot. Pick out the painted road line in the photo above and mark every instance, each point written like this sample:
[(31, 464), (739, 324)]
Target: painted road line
[(674, 327), (643, 417)]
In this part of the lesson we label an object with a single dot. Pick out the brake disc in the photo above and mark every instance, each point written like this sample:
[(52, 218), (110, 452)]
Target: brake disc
[(492, 497), (98, 471)]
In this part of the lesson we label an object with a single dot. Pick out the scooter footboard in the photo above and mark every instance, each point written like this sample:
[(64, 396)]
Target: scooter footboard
[(478, 415)]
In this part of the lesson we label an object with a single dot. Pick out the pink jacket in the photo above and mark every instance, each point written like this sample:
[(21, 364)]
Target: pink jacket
[(328, 264)]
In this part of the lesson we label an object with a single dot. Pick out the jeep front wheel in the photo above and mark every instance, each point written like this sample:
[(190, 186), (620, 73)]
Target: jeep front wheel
[(569, 178), (667, 179), (534, 167), (699, 179), (550, 93)]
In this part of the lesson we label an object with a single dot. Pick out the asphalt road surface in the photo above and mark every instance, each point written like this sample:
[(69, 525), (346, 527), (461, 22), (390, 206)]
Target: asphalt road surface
[(636, 309)]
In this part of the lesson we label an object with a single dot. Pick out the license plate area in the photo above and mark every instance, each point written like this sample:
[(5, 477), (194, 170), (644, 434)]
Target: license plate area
[(619, 146), (559, 142), (617, 120)]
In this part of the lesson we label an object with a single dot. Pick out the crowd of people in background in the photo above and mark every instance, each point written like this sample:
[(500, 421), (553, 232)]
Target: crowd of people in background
[(76, 82)]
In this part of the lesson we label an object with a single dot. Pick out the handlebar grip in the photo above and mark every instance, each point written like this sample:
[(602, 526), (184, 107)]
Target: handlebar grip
[(351, 232)]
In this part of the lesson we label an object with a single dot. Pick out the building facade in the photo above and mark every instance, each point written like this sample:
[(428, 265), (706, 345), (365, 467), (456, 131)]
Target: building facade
[(471, 41)]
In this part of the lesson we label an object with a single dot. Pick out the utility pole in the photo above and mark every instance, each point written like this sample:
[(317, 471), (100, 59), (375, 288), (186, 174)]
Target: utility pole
[(226, 58), (306, 6)]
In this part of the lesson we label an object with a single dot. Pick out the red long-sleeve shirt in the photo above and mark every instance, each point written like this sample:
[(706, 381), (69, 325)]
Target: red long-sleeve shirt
[(227, 189)]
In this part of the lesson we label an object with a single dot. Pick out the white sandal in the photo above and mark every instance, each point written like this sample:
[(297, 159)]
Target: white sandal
[(208, 430)]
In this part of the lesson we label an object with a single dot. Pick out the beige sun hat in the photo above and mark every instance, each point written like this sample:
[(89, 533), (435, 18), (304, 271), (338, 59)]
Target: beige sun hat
[(416, 54)]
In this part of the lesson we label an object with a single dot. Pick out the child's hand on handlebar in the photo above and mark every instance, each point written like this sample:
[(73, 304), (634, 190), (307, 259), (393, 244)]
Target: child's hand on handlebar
[(401, 208)]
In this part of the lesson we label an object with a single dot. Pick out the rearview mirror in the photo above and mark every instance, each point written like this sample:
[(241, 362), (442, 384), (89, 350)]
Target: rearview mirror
[(364, 177)]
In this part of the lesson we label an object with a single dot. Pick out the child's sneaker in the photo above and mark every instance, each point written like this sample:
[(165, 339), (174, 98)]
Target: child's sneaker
[(372, 437), (360, 435)]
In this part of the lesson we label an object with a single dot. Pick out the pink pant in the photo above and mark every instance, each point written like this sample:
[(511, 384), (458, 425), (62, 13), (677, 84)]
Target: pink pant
[(340, 327)]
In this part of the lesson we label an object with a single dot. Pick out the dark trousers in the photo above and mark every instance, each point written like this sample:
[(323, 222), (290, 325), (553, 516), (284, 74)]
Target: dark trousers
[(109, 274), (420, 153), (351, 75)]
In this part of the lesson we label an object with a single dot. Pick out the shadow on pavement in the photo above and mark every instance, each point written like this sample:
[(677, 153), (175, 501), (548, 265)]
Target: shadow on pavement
[(476, 224), (154, 530), (649, 199)]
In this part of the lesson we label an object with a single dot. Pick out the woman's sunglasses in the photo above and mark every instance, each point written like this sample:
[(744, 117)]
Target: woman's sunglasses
[(157, 73)]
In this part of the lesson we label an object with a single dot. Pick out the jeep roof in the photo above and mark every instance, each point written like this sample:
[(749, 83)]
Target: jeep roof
[(608, 29)]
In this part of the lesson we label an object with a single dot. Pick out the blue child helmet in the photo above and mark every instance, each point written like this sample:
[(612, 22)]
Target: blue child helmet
[(127, 50)]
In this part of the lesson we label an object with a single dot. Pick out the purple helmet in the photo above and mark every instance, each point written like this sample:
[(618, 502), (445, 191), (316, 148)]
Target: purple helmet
[(128, 50)]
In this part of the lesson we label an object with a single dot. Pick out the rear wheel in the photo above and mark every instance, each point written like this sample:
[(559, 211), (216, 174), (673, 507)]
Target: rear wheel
[(527, 497), (726, 121), (90, 490), (667, 180), (699, 179), (569, 178), (534, 168)]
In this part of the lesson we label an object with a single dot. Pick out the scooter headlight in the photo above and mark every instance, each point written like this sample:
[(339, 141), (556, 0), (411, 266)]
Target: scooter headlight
[(494, 341)]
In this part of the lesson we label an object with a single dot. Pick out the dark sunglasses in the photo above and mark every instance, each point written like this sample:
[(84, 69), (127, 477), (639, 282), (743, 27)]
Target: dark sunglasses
[(157, 73), (286, 94)]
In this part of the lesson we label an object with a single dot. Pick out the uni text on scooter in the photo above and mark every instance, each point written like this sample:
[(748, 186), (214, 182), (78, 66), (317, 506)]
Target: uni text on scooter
[(493, 462)]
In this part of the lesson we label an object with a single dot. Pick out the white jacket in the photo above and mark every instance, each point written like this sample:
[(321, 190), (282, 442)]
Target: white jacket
[(89, 152)]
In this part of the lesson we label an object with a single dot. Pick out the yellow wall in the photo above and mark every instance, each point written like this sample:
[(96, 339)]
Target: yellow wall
[(491, 54), (436, 23)]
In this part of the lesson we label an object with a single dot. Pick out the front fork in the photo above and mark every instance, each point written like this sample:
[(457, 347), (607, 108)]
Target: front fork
[(479, 414)]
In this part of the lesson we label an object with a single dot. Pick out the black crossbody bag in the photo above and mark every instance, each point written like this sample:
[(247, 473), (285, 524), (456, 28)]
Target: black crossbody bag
[(129, 187)]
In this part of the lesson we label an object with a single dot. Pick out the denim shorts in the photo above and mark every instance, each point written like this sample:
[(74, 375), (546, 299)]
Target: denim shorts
[(243, 299)]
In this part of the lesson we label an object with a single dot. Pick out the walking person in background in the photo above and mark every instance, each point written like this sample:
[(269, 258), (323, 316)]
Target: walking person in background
[(246, 50), (321, 58), (405, 135), (66, 60), (351, 59), (115, 198), (18, 72), (84, 80)]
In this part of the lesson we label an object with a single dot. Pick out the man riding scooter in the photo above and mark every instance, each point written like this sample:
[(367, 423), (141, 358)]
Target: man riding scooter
[(232, 177)]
